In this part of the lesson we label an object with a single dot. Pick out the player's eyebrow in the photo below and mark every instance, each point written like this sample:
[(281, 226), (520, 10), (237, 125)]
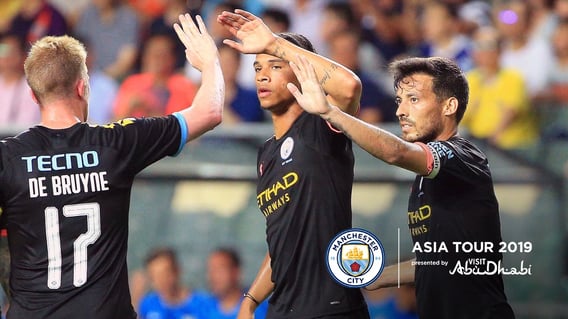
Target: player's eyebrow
[(275, 60)]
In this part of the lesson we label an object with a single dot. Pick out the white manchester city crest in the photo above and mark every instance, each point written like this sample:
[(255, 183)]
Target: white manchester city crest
[(287, 148), (355, 258)]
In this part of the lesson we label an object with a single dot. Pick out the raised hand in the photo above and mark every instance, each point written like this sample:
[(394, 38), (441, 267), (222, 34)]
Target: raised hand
[(200, 49), (312, 97), (255, 36)]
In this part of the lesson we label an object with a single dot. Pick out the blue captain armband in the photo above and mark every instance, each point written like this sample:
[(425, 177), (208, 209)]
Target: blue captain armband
[(183, 127)]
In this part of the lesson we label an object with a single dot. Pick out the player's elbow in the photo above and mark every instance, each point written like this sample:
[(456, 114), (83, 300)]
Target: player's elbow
[(352, 88), (215, 117), (404, 158), (392, 159)]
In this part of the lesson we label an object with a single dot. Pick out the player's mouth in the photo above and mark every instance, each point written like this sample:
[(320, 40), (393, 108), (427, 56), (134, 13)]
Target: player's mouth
[(405, 126), (263, 92)]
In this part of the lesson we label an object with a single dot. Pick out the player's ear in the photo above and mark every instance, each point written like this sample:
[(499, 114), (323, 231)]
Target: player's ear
[(81, 88), (34, 97), (451, 106)]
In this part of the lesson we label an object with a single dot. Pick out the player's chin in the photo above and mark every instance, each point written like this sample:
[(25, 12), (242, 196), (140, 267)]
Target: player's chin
[(276, 108), (410, 137)]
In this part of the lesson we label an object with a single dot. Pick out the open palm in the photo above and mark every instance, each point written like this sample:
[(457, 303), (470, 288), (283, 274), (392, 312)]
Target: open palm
[(255, 36), (200, 48), (311, 97)]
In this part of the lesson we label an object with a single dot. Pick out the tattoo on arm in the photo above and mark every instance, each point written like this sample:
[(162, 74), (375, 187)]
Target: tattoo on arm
[(327, 74), (280, 53)]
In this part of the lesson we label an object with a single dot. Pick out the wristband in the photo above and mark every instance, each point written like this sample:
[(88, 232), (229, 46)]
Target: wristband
[(247, 295)]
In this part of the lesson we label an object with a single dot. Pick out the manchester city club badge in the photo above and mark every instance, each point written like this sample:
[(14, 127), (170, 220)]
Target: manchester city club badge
[(355, 258)]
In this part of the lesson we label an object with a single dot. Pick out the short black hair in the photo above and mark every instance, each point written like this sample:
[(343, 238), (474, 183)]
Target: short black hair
[(298, 40), (448, 78)]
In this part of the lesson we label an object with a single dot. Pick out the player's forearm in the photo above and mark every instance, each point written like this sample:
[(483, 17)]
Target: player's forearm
[(340, 83), (392, 276), (378, 142), (262, 285), (206, 111)]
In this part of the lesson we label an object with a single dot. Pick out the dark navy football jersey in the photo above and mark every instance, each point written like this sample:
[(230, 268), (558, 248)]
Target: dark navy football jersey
[(65, 195), (304, 191), (456, 203)]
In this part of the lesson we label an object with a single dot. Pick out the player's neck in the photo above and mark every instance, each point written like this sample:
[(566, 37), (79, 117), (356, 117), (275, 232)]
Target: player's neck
[(61, 114), (283, 122), (449, 131)]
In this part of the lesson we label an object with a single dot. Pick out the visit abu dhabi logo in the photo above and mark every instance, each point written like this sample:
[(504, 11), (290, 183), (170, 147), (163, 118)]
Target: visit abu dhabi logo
[(355, 258)]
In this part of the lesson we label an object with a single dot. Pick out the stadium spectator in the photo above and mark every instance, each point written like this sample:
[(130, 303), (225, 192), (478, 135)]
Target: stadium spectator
[(305, 18), (169, 297), (10, 9), (376, 104), (71, 10), (18, 107), (163, 25), (338, 18), (276, 19), (553, 101), (103, 90), (113, 29), (542, 19), (36, 19), (442, 38), (473, 14), (387, 24), (506, 120), (241, 104), (157, 90), (520, 51), (224, 282), (557, 92), (215, 29)]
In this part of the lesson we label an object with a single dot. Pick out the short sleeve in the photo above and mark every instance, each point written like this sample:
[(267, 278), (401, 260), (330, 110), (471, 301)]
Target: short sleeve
[(456, 157)]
